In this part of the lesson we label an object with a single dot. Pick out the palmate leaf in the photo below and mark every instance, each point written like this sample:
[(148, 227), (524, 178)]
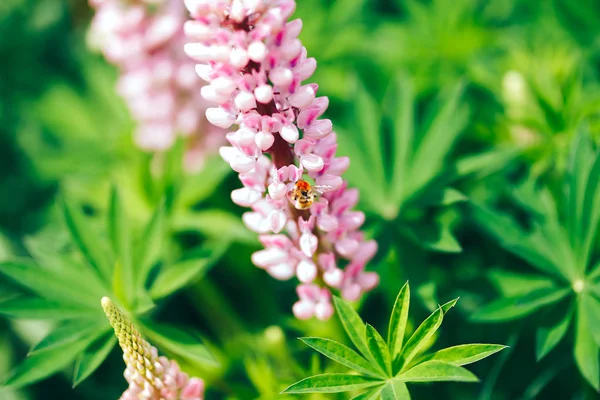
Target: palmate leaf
[(39, 308), (386, 367), (331, 383), (69, 332), (591, 307)]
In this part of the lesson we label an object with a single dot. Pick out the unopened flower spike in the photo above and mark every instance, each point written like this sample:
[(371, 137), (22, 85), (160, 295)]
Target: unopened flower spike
[(150, 377), (250, 55)]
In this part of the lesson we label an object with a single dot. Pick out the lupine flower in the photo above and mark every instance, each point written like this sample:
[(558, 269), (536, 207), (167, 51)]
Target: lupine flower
[(150, 377), (255, 66), (144, 38)]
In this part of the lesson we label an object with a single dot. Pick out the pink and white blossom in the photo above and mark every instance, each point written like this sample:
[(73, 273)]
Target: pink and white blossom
[(255, 67), (145, 39)]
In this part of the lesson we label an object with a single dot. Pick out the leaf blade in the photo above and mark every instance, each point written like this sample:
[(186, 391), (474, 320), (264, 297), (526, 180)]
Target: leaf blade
[(330, 383)]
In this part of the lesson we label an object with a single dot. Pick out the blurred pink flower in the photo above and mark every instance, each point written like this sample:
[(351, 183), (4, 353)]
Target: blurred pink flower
[(150, 377), (254, 64), (145, 39)]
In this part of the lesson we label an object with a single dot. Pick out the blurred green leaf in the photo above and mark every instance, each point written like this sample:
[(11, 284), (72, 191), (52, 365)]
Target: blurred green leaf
[(90, 359), (174, 277), (586, 350), (548, 337), (39, 308), (179, 342), (69, 332), (214, 224), (506, 309), (119, 234)]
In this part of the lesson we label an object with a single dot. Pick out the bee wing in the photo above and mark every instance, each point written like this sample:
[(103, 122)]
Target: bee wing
[(320, 189)]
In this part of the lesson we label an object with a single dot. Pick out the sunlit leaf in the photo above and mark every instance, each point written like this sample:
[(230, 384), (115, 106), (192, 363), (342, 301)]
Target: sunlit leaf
[(398, 321), (379, 350), (342, 354), (437, 371), (466, 353), (421, 336), (395, 390), (353, 325), (331, 383)]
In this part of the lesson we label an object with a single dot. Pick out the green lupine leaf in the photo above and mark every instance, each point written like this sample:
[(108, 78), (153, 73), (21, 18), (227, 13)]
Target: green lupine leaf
[(421, 336), (541, 381), (45, 363), (398, 321), (513, 284), (92, 357), (176, 276), (445, 123), (70, 332), (404, 132), (515, 307), (120, 239), (443, 197), (437, 237), (353, 325), (436, 371), (591, 306), (215, 224), (149, 247), (447, 306), (483, 163), (331, 383), (586, 350), (379, 350), (48, 285), (466, 353), (395, 390), (87, 241), (342, 354), (371, 394), (38, 308), (199, 186), (368, 119), (527, 245), (179, 342), (548, 337)]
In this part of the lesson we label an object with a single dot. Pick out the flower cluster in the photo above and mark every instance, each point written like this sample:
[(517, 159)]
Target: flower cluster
[(150, 377), (145, 39), (254, 64)]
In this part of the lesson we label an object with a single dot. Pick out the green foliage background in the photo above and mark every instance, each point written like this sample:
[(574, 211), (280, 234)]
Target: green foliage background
[(472, 127)]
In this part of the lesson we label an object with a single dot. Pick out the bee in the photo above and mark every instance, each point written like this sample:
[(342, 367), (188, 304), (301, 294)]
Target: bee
[(303, 195)]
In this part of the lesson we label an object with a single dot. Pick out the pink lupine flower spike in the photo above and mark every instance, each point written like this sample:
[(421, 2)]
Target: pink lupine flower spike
[(255, 66), (150, 377), (144, 38)]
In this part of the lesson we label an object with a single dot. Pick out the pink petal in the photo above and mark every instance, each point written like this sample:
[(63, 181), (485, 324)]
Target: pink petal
[(306, 271)]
